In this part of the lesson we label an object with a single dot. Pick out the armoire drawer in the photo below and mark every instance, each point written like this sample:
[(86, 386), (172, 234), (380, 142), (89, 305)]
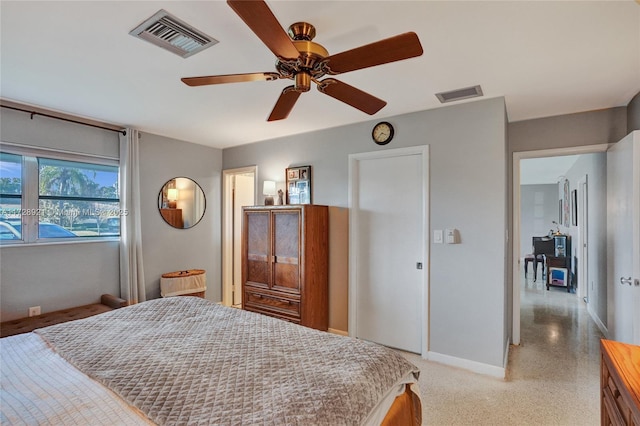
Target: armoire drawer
[(272, 303)]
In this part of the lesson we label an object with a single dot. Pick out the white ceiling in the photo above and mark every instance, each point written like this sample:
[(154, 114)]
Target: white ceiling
[(546, 58), (547, 170)]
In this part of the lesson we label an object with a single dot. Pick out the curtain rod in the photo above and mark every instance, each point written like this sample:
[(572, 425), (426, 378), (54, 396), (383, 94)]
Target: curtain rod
[(124, 132)]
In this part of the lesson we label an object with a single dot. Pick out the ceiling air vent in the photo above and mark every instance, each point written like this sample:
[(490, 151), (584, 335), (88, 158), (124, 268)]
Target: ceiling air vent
[(172, 34), (459, 94)]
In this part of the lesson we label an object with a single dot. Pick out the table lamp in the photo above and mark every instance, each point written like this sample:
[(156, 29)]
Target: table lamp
[(172, 196), (268, 189)]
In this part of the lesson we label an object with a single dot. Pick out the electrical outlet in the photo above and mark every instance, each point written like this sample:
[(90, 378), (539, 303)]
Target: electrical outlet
[(34, 311)]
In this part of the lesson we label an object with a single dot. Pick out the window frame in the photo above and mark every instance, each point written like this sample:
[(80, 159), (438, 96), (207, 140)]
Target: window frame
[(31, 193)]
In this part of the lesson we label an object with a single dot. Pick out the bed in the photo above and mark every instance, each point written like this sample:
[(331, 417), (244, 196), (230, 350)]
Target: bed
[(185, 360)]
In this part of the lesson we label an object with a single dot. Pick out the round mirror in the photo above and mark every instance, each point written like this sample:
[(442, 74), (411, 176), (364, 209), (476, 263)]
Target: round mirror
[(181, 203)]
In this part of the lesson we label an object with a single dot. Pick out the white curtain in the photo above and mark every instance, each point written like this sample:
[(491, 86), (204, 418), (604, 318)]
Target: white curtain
[(132, 287)]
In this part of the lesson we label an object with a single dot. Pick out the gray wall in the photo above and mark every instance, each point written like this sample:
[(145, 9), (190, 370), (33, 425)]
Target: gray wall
[(467, 191), (538, 209), (43, 132), (167, 249), (571, 130), (633, 114), (60, 276)]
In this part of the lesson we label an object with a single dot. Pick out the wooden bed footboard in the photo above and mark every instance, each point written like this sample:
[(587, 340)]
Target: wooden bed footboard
[(406, 410)]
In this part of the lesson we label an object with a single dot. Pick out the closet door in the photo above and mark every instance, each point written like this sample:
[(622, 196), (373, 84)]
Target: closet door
[(287, 238), (389, 230), (257, 265)]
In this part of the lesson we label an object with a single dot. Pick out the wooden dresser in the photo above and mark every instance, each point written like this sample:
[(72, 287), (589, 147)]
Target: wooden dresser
[(285, 260), (173, 217), (619, 383)]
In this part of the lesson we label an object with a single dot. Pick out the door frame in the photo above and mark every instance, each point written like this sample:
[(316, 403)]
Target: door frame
[(227, 226), (583, 232), (515, 219), (354, 159)]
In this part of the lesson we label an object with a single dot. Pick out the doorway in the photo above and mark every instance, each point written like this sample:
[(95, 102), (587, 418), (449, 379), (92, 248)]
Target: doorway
[(239, 189), (517, 226), (388, 256)]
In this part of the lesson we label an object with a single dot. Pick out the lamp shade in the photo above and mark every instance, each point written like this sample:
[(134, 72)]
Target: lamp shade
[(172, 194), (269, 187)]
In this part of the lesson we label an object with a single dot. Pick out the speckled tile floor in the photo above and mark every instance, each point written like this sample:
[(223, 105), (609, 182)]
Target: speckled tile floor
[(552, 377)]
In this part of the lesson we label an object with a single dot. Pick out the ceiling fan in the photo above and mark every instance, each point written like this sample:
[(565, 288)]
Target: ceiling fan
[(303, 61)]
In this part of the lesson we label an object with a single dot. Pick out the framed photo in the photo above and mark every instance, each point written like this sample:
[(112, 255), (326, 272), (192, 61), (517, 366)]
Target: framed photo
[(560, 213), (567, 203), (293, 174), (298, 185), (574, 207)]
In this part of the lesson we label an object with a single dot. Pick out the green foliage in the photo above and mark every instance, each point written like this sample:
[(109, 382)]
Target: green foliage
[(10, 185)]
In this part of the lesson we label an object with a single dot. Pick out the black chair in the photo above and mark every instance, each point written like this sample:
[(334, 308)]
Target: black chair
[(542, 247), (533, 258)]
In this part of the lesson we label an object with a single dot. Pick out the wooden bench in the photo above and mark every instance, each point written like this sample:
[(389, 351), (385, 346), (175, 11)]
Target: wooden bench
[(25, 325)]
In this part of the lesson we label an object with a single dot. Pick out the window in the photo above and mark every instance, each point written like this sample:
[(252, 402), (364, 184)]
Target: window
[(54, 199), (10, 195)]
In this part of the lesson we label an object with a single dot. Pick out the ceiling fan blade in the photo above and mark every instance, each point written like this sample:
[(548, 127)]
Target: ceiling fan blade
[(285, 104), (351, 95), (397, 48), (230, 78), (258, 17)]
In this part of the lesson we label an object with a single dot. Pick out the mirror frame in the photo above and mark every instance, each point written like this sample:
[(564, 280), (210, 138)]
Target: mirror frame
[(162, 200)]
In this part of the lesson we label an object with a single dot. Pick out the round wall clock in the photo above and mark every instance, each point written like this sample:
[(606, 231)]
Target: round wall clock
[(382, 133)]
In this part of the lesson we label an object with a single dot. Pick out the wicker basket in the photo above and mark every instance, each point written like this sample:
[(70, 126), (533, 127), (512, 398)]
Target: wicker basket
[(184, 274), (187, 273)]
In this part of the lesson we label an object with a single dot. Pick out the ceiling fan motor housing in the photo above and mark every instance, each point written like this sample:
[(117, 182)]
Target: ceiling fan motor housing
[(308, 65), (302, 31)]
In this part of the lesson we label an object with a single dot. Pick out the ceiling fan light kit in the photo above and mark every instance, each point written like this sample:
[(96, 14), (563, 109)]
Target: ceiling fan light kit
[(304, 61)]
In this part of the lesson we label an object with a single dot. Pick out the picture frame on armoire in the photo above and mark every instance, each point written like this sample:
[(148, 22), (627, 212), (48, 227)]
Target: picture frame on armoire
[(298, 185)]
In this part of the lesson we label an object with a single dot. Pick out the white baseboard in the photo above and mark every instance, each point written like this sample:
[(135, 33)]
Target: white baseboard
[(506, 358), (340, 332), (476, 367), (599, 323)]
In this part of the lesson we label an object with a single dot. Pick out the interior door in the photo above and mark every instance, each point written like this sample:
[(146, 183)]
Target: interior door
[(388, 211), (623, 238)]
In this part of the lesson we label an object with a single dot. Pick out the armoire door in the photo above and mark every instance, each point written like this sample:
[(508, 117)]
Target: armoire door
[(286, 250), (257, 269)]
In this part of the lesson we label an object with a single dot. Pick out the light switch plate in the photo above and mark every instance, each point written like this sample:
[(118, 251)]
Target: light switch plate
[(451, 235), (438, 236)]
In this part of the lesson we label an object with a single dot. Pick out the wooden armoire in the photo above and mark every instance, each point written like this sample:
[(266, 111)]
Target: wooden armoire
[(285, 263)]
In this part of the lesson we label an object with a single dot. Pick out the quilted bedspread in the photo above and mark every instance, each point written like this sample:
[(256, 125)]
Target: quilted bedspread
[(186, 361)]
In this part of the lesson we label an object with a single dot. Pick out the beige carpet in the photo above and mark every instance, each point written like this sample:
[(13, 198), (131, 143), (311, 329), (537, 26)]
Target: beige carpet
[(552, 377)]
